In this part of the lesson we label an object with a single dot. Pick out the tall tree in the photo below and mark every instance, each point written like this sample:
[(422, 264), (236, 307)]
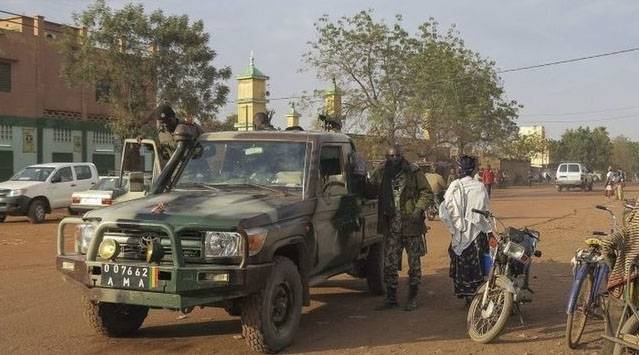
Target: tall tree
[(625, 154), (457, 93), (405, 85), (368, 60), (591, 147), (138, 59)]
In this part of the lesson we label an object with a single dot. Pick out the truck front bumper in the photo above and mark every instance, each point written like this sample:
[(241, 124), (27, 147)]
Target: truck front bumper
[(180, 288), (17, 205)]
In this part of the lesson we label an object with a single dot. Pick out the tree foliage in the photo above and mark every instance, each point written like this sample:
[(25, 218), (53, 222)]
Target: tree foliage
[(406, 85), (625, 154), (524, 147), (589, 146), (140, 59)]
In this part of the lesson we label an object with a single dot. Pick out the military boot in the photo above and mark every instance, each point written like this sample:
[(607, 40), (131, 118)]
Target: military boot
[(411, 304), (390, 301)]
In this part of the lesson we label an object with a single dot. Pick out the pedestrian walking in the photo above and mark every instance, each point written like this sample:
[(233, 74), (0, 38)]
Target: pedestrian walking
[(488, 178), (469, 230), (620, 183), (404, 195)]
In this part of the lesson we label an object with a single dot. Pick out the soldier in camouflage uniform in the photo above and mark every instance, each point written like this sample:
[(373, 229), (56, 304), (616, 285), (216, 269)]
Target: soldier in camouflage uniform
[(403, 194)]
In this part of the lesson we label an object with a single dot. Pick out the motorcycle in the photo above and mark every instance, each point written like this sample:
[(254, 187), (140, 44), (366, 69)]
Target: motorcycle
[(507, 282)]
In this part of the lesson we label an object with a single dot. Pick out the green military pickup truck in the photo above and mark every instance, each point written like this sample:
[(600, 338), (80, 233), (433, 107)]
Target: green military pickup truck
[(247, 221)]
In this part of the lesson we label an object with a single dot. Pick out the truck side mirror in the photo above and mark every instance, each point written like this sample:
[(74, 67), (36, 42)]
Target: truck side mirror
[(56, 179)]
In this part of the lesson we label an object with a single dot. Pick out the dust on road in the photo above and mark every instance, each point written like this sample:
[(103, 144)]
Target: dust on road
[(40, 313)]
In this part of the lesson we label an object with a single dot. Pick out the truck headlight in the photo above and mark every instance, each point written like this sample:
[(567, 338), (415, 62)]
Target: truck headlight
[(219, 244), (83, 235), (16, 192)]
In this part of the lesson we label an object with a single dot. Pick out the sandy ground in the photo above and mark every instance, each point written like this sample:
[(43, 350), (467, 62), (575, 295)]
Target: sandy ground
[(39, 313)]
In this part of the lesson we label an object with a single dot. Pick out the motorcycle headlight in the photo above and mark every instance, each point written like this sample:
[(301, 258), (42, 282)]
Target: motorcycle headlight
[(83, 235), (16, 192), (515, 251), (220, 244)]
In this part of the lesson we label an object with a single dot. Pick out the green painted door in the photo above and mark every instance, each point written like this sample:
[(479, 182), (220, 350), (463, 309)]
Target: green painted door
[(104, 162), (62, 157), (6, 165)]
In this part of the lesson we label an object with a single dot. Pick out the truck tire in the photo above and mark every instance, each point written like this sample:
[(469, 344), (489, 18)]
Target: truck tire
[(114, 319), (37, 211), (559, 188), (2, 217), (270, 317), (375, 269)]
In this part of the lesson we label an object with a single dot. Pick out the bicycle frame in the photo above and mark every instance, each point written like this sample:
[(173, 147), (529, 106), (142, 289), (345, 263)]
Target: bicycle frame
[(629, 310), (600, 276)]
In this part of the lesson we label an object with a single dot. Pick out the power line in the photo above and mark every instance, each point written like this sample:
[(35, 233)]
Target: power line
[(569, 60), (615, 118), (580, 113)]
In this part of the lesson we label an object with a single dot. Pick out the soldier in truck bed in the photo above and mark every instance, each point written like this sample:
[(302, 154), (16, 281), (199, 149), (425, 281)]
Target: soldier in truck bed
[(404, 195)]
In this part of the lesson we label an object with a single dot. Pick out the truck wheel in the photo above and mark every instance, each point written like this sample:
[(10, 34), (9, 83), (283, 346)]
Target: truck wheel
[(2, 217), (37, 211), (375, 269), (270, 318), (114, 319), (559, 188)]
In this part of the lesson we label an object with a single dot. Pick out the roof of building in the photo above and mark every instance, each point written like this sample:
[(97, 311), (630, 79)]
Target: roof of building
[(251, 72)]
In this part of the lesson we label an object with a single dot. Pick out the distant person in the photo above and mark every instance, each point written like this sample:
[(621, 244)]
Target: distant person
[(436, 182), (488, 178), (261, 122), (619, 185)]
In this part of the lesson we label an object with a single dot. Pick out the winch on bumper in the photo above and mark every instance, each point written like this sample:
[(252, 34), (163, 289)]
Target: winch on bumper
[(173, 285)]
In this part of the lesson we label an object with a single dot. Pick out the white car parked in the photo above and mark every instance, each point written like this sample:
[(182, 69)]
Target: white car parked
[(573, 175), (38, 189)]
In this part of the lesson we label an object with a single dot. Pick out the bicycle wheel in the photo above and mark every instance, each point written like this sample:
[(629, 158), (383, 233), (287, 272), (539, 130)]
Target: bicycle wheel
[(576, 321), (630, 330)]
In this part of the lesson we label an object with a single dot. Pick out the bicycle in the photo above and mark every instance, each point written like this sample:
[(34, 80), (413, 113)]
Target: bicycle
[(586, 297)]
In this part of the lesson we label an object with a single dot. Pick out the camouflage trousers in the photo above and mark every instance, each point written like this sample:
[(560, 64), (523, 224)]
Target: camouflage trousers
[(394, 246)]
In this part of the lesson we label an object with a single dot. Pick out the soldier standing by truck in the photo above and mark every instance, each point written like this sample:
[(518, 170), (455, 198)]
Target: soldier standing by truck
[(404, 195)]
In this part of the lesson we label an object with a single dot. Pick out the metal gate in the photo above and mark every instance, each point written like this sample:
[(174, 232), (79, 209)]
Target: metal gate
[(6, 164), (104, 162), (62, 157)]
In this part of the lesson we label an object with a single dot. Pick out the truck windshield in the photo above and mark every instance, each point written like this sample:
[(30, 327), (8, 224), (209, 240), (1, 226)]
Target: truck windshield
[(33, 174), (264, 163)]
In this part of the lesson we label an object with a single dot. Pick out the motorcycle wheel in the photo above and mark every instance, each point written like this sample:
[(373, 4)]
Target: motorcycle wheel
[(485, 324), (630, 327), (576, 321)]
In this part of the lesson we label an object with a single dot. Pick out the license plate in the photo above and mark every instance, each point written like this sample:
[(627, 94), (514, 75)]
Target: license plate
[(90, 201), (125, 276)]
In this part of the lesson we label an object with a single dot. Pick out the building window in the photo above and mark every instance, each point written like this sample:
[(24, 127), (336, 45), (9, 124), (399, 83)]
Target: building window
[(101, 137), (5, 133), (5, 77), (61, 135)]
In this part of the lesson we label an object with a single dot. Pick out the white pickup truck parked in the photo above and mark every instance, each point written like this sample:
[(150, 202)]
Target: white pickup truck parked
[(573, 175), (38, 189)]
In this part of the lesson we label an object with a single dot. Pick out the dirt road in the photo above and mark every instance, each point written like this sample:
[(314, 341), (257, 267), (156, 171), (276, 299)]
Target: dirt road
[(39, 313)]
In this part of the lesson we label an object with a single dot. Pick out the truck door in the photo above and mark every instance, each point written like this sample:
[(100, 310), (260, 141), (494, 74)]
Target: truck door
[(61, 186), (336, 219)]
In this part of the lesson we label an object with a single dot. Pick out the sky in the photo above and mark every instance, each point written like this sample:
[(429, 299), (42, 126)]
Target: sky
[(597, 92)]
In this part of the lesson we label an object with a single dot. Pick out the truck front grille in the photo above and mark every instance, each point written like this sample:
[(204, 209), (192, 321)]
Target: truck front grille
[(133, 243)]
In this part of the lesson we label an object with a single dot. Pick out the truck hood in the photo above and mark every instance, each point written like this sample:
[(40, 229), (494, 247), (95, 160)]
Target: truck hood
[(213, 209), (17, 184)]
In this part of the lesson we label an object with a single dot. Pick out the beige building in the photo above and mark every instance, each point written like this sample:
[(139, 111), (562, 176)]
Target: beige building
[(42, 119), (540, 160)]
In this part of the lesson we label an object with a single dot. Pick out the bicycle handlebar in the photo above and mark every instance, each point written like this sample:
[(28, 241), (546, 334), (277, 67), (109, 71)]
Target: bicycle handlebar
[(483, 213)]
